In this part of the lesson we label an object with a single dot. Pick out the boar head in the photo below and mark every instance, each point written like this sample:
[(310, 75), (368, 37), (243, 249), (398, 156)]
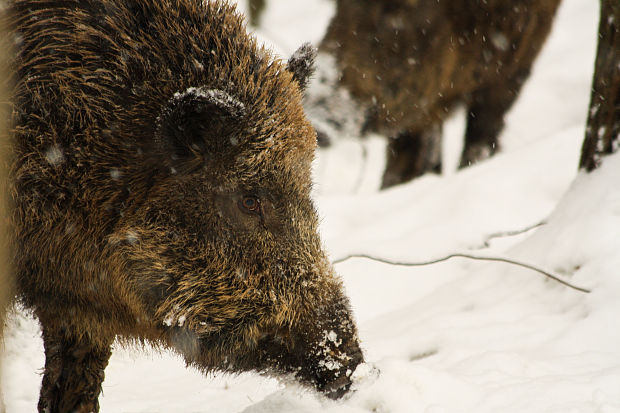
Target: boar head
[(225, 252)]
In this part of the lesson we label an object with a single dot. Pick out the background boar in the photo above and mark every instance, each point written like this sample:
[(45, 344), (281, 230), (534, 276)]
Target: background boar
[(402, 65), (162, 192)]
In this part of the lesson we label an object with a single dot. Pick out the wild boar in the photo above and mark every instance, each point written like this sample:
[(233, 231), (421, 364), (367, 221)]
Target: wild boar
[(161, 185), (402, 65)]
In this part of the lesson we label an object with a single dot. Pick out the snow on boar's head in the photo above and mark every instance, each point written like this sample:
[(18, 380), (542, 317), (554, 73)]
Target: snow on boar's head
[(227, 242)]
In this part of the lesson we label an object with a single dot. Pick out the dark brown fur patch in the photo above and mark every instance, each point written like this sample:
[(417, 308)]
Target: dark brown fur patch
[(6, 276)]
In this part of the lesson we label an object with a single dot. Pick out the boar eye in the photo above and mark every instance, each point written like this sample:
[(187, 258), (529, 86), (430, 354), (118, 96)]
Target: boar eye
[(250, 205)]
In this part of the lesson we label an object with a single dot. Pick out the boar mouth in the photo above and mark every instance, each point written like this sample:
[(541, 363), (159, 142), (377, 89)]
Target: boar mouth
[(338, 388)]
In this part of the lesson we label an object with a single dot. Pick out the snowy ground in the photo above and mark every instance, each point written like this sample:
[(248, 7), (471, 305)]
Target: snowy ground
[(460, 336)]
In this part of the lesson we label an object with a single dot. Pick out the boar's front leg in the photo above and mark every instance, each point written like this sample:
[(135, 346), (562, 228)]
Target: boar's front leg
[(74, 371), (485, 117), (411, 154)]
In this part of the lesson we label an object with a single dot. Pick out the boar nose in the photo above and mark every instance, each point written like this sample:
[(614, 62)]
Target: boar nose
[(340, 386)]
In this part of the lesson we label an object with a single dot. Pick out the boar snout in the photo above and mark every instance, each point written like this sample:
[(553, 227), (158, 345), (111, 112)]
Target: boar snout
[(320, 350), (331, 358), (326, 365), (335, 381)]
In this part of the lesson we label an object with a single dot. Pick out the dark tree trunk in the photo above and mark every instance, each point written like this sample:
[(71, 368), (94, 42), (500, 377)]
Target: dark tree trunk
[(603, 128)]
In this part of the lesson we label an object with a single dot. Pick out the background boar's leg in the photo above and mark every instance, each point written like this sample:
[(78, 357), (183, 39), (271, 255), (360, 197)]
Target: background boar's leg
[(485, 118), (411, 154), (256, 11), (73, 373)]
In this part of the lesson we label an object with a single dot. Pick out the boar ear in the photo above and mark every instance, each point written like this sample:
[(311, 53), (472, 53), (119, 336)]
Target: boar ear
[(301, 64), (198, 121)]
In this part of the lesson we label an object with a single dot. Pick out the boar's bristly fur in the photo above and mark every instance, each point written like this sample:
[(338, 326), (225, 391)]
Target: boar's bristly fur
[(162, 191), (6, 279)]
